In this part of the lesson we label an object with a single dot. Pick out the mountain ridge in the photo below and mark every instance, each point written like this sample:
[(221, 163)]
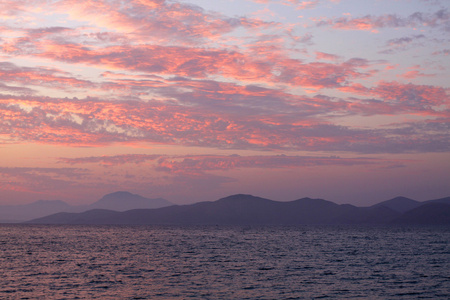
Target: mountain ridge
[(122, 201), (432, 213), (243, 209), (118, 201), (399, 203), (128, 208)]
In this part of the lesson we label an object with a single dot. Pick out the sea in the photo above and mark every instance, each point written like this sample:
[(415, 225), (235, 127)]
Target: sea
[(224, 262)]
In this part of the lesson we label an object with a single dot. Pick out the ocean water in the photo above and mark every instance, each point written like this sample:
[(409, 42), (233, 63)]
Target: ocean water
[(208, 262)]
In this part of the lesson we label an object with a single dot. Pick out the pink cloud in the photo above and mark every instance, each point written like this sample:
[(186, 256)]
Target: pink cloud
[(40, 77), (199, 164), (402, 98), (94, 122), (165, 21), (173, 91), (10, 9), (440, 18), (205, 163), (304, 4), (201, 63), (25, 179), (298, 4), (404, 43), (326, 56), (413, 95), (111, 160), (16, 89), (415, 74), (444, 52), (259, 62)]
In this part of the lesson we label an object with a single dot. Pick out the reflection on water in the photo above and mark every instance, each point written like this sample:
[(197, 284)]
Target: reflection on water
[(156, 262)]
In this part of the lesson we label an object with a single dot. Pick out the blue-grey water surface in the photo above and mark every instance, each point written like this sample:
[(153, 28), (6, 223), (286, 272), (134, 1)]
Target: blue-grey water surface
[(208, 262)]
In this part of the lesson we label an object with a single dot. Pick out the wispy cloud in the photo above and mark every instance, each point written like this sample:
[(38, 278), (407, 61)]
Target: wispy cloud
[(440, 19), (49, 77), (199, 164), (26, 179)]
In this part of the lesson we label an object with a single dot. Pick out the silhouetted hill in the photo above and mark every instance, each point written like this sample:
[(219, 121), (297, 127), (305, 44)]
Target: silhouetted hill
[(434, 213), (399, 204), (77, 218), (118, 201), (445, 200), (20, 213), (122, 201), (238, 210)]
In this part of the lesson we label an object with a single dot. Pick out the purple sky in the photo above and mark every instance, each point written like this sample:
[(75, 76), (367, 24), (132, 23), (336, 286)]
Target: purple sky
[(346, 100)]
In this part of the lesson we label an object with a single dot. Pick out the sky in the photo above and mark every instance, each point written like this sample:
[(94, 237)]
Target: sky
[(345, 100)]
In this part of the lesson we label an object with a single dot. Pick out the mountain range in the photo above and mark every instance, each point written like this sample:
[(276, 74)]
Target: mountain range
[(118, 201), (250, 210)]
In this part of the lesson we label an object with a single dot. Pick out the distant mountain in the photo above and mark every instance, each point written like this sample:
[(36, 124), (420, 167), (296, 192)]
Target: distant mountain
[(445, 200), (122, 201), (77, 218), (127, 208), (433, 213), (118, 201), (399, 204), (20, 213), (237, 209)]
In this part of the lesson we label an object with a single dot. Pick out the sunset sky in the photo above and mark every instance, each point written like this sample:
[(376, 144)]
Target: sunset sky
[(346, 100)]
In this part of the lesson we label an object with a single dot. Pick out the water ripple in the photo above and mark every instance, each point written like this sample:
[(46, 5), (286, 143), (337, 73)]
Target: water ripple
[(157, 262)]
